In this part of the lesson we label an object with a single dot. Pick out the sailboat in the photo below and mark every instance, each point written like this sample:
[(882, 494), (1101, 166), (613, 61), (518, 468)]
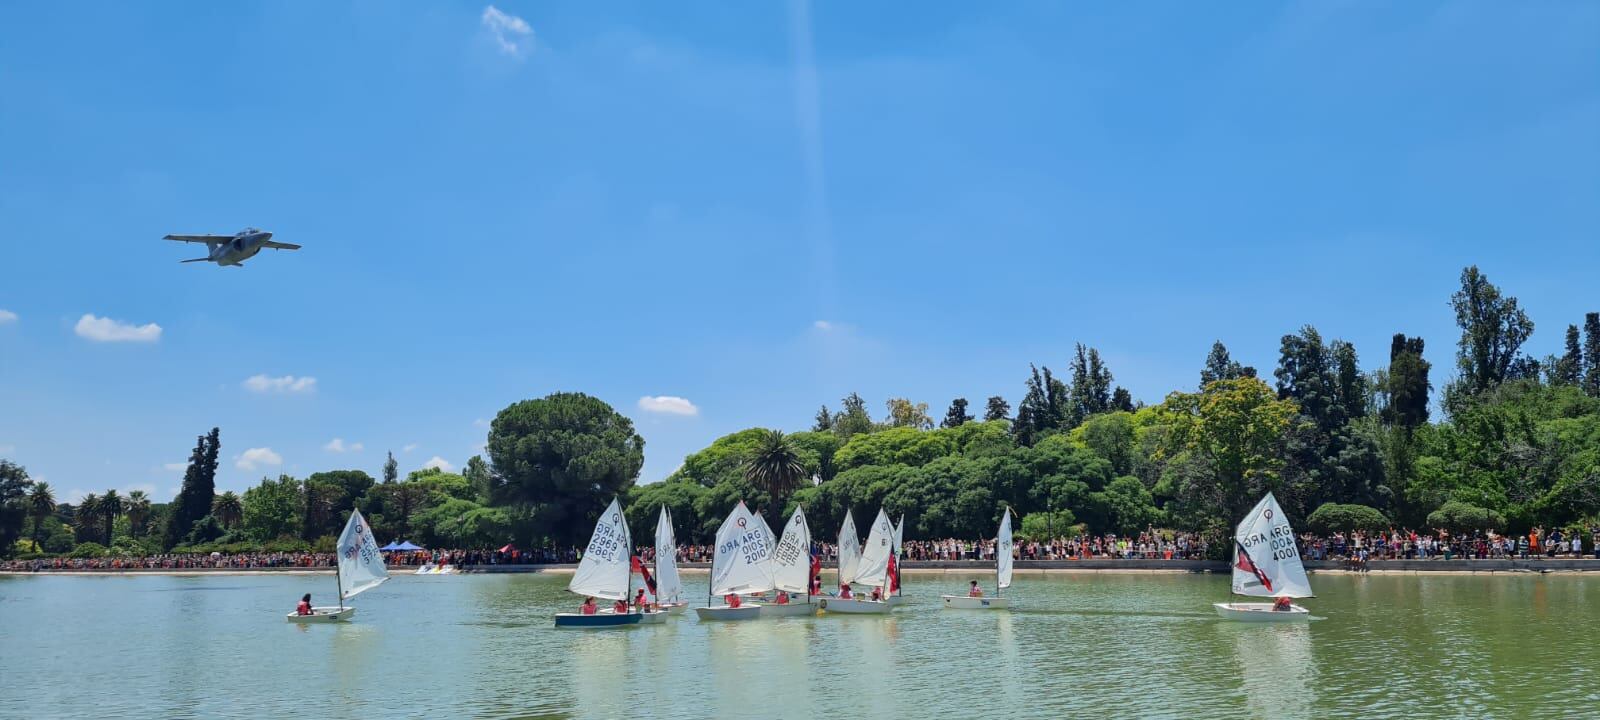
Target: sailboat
[(849, 550), (791, 568), (1266, 563), (740, 565), (605, 571), (1002, 575), (669, 589), (897, 596), (360, 569), (871, 571)]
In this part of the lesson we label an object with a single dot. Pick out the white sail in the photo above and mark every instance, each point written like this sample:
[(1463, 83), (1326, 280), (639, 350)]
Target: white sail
[(1002, 552), (669, 588), (1266, 561), (849, 550), (874, 568), (742, 563), (360, 564), (603, 571), (791, 562), (899, 535)]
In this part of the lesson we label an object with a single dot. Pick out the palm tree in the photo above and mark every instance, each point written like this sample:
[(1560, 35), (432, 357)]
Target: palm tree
[(41, 504), (138, 511), (228, 509), (88, 514), (775, 467), (110, 508)]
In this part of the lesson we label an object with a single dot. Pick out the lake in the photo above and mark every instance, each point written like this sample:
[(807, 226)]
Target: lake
[(1117, 645)]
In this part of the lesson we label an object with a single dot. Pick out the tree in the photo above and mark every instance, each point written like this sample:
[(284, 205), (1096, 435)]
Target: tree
[(1091, 387), (1034, 412), (904, 413), (1122, 400), (562, 458), (41, 505), (482, 479), (1236, 427), (1461, 517), (199, 488), (1333, 517), (1591, 354), (1568, 369), (997, 409), (1407, 384), (1493, 329), (228, 509), (111, 508), (273, 509), (138, 511), (1306, 375), (1219, 366), (87, 517), (391, 469), (824, 420), (775, 468), (1350, 386), (14, 484), (957, 415)]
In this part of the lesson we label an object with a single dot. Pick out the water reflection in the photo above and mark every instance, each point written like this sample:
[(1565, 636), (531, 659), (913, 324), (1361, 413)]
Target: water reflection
[(1275, 666)]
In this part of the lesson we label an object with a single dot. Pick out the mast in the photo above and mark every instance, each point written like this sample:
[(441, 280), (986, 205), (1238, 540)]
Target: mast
[(338, 577)]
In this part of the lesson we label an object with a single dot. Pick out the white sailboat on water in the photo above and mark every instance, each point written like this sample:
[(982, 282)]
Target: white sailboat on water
[(669, 589), (360, 569), (897, 597), (871, 571), (741, 564), (791, 568), (605, 572), (1266, 563), (849, 550), (1002, 575)]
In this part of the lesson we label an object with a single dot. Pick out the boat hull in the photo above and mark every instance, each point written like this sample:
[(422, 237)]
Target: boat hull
[(723, 613), (898, 600), (790, 610), (674, 608), (653, 618), (598, 620), (323, 615), (1260, 612), (853, 606), (964, 602)]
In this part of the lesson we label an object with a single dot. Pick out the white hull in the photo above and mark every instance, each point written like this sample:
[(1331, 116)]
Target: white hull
[(654, 618), (675, 608), (723, 613), (323, 615), (798, 609), (898, 600), (853, 606), (1260, 612), (963, 602)]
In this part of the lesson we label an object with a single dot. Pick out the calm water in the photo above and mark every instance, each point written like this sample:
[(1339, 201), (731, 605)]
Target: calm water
[(1075, 645)]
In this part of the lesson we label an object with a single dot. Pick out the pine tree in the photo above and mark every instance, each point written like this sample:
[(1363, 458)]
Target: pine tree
[(1219, 366), (997, 409), (1493, 329), (1407, 384), (1122, 400), (391, 469), (1591, 354), (853, 419), (957, 415), (1350, 384), (824, 420)]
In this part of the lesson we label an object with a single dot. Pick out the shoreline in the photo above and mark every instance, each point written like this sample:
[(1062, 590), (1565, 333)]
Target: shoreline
[(1548, 566)]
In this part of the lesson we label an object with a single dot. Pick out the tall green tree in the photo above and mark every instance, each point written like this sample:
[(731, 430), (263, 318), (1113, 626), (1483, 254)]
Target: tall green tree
[(1122, 400), (138, 511), (562, 458), (1568, 369), (391, 469), (111, 508), (824, 420), (14, 485), (41, 505), (1221, 366), (1591, 354), (1236, 426), (905, 413), (199, 488), (478, 473), (1306, 375), (957, 415), (996, 409), (775, 468), (1493, 329), (1350, 385), (853, 419), (228, 509), (1407, 384), (87, 518), (273, 509), (1033, 413), (1090, 393)]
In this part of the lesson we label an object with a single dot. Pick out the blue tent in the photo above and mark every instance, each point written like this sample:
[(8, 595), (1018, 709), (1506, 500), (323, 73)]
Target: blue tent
[(406, 545), (390, 547)]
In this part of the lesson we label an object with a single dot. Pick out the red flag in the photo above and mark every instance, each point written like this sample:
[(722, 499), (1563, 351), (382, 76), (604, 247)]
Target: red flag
[(1246, 565), (816, 573), (644, 572), (894, 575)]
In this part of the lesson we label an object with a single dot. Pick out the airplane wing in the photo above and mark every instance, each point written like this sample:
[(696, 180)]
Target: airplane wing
[(280, 246), (207, 239)]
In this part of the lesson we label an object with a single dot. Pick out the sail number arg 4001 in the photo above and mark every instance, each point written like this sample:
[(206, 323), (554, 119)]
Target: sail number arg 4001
[(1280, 539)]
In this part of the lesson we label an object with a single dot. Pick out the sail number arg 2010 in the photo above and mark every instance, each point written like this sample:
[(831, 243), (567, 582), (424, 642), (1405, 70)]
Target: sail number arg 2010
[(752, 544), (1280, 541)]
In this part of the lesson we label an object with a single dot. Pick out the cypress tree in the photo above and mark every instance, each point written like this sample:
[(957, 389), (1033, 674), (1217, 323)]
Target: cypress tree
[(1407, 384), (199, 488), (957, 415), (997, 409), (1591, 354)]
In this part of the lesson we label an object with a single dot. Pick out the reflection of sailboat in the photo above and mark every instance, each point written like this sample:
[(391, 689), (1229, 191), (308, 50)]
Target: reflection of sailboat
[(360, 569), (669, 589), (871, 570), (1266, 563), (791, 568), (1002, 575), (1275, 667), (605, 572), (740, 565)]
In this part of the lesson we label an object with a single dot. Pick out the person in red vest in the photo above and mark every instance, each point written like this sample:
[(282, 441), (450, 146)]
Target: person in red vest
[(639, 603), (1281, 604), (974, 590), (782, 598), (304, 608), (620, 607), (877, 594), (844, 592), (732, 599), (588, 607)]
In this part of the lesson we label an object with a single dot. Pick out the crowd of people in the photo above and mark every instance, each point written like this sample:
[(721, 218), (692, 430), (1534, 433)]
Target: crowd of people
[(1355, 548)]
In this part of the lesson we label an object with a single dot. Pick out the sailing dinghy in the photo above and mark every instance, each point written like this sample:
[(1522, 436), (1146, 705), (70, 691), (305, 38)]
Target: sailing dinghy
[(741, 564), (791, 569), (1002, 575), (896, 596), (360, 569), (605, 571), (1266, 563), (871, 571), (669, 589)]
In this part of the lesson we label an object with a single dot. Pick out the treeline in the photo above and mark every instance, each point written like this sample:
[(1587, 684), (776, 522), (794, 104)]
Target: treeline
[(1516, 444)]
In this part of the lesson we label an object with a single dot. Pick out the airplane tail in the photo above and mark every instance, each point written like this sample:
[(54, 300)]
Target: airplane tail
[(204, 259)]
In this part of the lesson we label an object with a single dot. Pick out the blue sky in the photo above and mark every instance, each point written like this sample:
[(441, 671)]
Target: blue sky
[(756, 208)]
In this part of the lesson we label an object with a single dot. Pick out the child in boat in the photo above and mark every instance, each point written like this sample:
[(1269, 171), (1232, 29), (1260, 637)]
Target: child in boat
[(844, 592), (1281, 604), (877, 594), (816, 585), (304, 608), (588, 607), (639, 603), (974, 591), (620, 607), (733, 600), (782, 598)]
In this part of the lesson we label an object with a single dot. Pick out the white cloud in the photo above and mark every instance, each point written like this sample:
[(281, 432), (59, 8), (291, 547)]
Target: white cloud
[(285, 384), (338, 445), (822, 325), (6, 316), (408, 447), (101, 329), (255, 457), (176, 467), (439, 462), (511, 34), (667, 404)]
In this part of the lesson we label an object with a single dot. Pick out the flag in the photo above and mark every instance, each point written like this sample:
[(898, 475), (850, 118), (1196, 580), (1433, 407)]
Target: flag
[(894, 575), (1246, 565), (816, 572), (644, 572)]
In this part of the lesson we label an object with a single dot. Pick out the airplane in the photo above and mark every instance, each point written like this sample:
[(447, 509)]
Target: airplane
[(233, 249)]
